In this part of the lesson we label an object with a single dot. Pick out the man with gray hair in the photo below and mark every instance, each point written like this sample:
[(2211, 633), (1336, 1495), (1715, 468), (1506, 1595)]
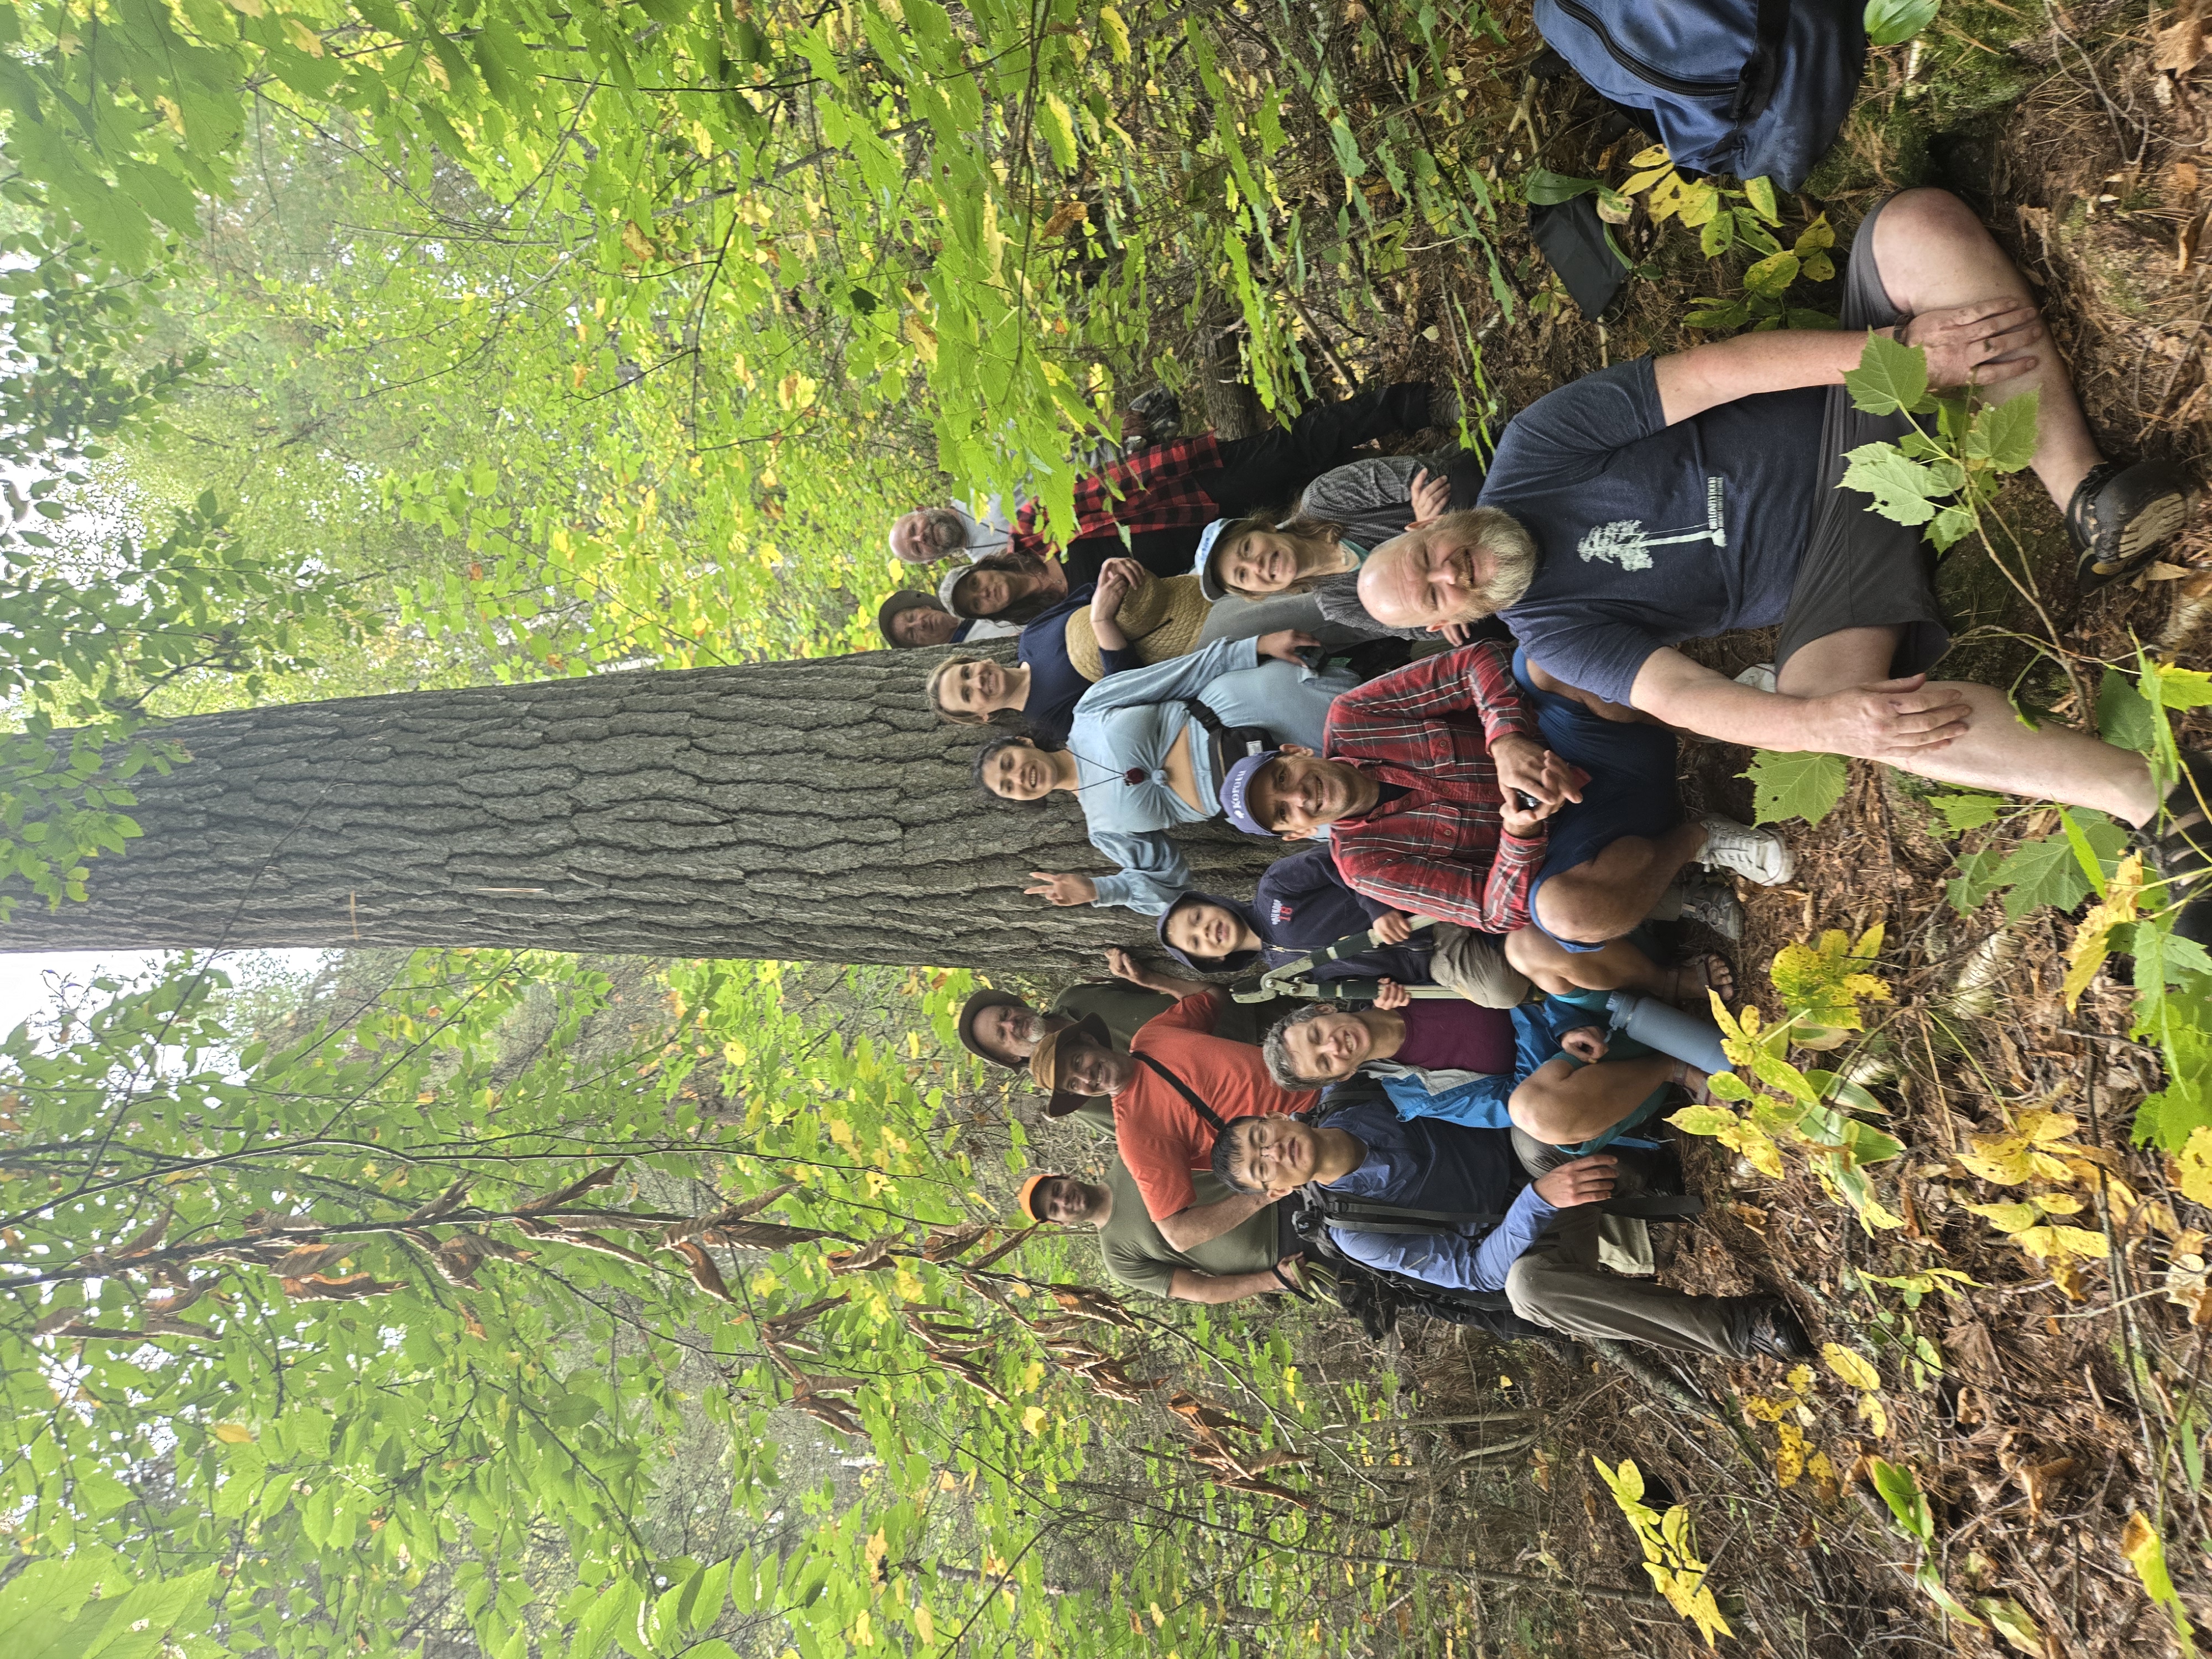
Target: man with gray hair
[(1675, 498)]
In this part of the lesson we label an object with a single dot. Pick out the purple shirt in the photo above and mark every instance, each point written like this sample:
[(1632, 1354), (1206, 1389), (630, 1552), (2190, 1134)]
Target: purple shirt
[(1452, 1035)]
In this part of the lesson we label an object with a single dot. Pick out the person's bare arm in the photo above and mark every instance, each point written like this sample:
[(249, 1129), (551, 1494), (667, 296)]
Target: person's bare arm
[(1987, 341), (1878, 722), (1216, 1288), (1200, 1224), (1122, 965)]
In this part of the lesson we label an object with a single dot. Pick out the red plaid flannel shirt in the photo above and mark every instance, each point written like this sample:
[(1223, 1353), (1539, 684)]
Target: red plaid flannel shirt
[(1441, 851), (1155, 488)]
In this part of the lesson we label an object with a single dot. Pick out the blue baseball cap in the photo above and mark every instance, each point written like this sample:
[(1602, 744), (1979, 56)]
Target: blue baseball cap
[(1209, 583), (1234, 788)]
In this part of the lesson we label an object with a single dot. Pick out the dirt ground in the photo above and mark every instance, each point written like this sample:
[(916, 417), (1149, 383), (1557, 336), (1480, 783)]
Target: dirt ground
[(2079, 139)]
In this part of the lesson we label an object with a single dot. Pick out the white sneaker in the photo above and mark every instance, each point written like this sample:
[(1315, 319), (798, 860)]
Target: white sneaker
[(1759, 676), (1757, 855)]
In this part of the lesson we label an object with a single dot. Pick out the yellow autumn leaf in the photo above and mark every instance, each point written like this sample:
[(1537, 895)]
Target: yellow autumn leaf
[(250, 8), (2014, 1623), (1789, 1453), (171, 114), (1033, 1419), (908, 1284), (864, 1634), (303, 37), (1656, 156), (2004, 1159), (2008, 1218), (874, 1550), (1851, 1367), (2045, 1242), (2092, 938), (2060, 1203), (1874, 1414), (2043, 1127), (232, 1434), (924, 1625), (2193, 1167), (635, 239), (1116, 30)]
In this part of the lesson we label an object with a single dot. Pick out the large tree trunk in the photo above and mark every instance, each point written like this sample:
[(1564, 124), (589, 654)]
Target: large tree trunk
[(808, 810)]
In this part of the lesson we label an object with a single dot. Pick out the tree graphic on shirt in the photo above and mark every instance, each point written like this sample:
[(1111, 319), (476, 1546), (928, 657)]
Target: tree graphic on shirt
[(1624, 542)]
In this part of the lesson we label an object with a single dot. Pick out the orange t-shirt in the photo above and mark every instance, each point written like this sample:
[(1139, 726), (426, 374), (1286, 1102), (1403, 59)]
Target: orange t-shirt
[(1161, 1139)]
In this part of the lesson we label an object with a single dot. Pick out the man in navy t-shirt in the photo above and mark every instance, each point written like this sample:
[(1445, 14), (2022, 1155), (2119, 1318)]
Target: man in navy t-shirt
[(1677, 497)]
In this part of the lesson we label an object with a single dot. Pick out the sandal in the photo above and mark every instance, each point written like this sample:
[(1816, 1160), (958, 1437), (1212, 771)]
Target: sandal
[(1700, 1092), (2177, 844), (1717, 977), (2119, 514)]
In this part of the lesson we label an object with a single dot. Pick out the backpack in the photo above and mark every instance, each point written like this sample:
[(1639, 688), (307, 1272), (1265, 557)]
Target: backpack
[(1748, 87)]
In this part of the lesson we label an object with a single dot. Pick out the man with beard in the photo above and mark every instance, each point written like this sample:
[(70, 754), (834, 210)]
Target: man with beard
[(1002, 1027), (1675, 498), (1453, 789), (1255, 1257), (931, 533)]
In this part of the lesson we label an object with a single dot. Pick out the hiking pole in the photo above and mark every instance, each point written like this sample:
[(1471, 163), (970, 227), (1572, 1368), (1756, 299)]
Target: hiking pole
[(1285, 980)]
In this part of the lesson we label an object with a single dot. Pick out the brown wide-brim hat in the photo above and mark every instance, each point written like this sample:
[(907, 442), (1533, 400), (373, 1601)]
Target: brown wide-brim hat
[(1044, 1064), (976, 1003)]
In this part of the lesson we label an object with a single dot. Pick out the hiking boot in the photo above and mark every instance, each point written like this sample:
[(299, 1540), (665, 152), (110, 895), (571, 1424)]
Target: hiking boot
[(1759, 676), (1697, 897), (1766, 1327), (1443, 404), (1160, 410), (1760, 856), (2177, 846), (2119, 514)]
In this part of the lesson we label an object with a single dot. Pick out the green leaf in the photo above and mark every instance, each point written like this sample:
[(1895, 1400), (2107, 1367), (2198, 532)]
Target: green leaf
[(1979, 877), (2181, 688), (1718, 236), (2003, 436), (2123, 717), (1796, 785), (1904, 490), (1893, 22), (2040, 872), (1759, 192), (1547, 189), (1902, 1493), (1771, 276), (1960, 813), (1891, 379)]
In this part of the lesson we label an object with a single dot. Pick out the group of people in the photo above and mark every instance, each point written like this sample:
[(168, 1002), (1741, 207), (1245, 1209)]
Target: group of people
[(1499, 815)]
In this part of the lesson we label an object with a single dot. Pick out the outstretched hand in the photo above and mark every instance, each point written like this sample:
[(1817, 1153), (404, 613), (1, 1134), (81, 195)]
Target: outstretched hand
[(1889, 718), (1983, 340), (1062, 889), (1585, 1180)]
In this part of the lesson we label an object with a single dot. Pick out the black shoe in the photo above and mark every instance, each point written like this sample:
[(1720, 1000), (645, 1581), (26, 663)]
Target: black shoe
[(1766, 1327), (2119, 514), (2177, 844)]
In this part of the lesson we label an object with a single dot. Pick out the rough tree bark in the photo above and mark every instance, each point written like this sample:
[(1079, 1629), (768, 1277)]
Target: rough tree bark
[(807, 811)]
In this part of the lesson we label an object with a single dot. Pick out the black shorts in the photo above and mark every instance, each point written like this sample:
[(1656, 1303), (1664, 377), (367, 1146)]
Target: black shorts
[(1860, 570)]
